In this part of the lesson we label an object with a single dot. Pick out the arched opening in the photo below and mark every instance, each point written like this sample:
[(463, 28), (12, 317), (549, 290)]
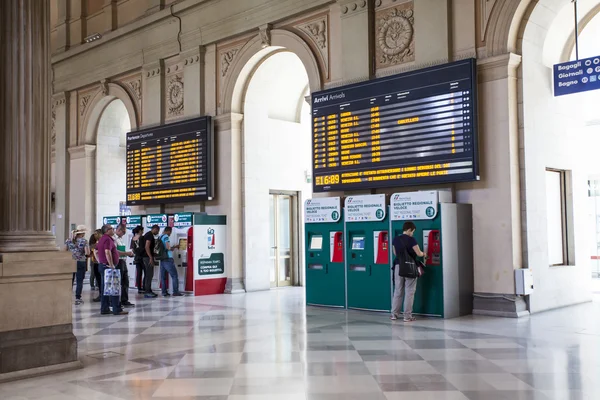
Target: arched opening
[(110, 182), (276, 169), (559, 141)]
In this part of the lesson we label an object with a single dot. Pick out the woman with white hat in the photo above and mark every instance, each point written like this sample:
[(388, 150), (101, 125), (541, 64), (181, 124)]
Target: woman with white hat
[(79, 248)]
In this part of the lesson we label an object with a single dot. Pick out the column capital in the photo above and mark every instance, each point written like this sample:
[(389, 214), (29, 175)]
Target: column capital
[(83, 151), (228, 121), (498, 67)]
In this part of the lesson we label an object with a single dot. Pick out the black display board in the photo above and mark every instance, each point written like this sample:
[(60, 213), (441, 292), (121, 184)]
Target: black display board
[(415, 128), (171, 163)]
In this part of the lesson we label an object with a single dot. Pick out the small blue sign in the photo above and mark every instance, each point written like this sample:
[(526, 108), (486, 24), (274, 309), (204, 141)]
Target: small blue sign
[(577, 76)]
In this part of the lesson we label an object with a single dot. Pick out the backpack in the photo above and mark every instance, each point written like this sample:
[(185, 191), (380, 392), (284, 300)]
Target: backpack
[(160, 251)]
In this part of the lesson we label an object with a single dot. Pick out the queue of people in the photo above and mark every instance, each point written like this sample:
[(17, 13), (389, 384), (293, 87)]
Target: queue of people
[(107, 251)]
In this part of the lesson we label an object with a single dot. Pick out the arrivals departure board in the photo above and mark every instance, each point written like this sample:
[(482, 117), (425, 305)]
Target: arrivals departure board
[(171, 163), (415, 128)]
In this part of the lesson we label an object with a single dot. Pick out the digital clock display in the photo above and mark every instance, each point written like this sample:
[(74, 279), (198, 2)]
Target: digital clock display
[(415, 128), (171, 163)]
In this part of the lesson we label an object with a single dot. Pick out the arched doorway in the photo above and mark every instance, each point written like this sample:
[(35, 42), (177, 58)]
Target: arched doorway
[(559, 138), (269, 91), (277, 163), (111, 160)]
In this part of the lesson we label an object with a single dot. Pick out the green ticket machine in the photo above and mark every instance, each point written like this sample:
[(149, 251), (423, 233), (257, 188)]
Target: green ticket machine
[(367, 253), (445, 233), (324, 246)]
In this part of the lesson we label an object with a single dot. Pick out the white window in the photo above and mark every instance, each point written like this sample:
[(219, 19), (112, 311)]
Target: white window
[(556, 211)]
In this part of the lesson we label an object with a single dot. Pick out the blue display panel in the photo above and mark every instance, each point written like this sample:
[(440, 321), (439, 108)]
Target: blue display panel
[(577, 76), (171, 163), (416, 128)]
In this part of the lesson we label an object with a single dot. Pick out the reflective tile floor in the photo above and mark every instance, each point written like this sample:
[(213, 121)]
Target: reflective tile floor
[(268, 345)]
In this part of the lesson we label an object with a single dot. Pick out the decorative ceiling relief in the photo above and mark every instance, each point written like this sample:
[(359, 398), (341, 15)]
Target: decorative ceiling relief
[(227, 58), (317, 32), (395, 35), (175, 96)]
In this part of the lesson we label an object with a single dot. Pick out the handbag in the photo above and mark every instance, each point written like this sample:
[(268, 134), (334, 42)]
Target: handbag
[(112, 282), (407, 266)]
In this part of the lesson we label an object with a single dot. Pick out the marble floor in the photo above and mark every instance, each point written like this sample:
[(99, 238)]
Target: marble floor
[(268, 345)]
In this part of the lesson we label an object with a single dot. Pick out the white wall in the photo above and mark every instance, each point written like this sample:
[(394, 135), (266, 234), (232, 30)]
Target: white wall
[(276, 153), (111, 160), (556, 136)]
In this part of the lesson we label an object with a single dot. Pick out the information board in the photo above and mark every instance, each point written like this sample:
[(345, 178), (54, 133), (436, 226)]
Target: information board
[(415, 128), (171, 163), (577, 76)]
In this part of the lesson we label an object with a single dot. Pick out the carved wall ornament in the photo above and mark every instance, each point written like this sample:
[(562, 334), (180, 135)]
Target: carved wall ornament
[(227, 60), (104, 87), (192, 60), (395, 35), (83, 103), (53, 125), (135, 86), (317, 31), (265, 35), (175, 96)]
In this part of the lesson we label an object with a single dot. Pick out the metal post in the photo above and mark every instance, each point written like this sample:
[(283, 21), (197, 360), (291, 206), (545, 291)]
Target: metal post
[(576, 31)]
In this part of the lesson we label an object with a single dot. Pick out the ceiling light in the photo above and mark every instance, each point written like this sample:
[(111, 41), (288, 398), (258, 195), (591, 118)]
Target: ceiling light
[(93, 37)]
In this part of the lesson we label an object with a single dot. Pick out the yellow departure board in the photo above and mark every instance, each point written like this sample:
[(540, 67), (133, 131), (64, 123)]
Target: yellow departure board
[(415, 128), (171, 163)]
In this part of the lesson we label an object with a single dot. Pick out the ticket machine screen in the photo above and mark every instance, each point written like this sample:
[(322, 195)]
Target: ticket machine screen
[(316, 242), (183, 244), (358, 243)]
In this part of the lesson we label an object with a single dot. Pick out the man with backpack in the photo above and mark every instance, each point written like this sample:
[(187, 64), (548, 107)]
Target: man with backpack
[(148, 259), (164, 254), (406, 270)]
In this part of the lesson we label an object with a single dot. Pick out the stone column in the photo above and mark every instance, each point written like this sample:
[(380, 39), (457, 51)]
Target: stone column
[(63, 41), (496, 199), (60, 116), (36, 334), (357, 39), (228, 155)]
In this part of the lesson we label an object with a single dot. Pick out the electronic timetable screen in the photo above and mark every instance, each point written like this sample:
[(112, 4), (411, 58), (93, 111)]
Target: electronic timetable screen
[(171, 163), (415, 128)]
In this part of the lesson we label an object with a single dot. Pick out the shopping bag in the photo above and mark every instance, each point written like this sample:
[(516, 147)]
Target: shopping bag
[(112, 282)]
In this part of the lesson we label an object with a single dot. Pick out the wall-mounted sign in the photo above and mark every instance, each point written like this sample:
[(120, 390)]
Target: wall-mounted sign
[(577, 76), (327, 209), (182, 220), (133, 221), (157, 219), (365, 208), (414, 206), (114, 221)]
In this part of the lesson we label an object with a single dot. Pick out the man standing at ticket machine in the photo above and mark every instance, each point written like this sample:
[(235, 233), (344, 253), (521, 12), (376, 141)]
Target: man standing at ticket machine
[(167, 264), (406, 250)]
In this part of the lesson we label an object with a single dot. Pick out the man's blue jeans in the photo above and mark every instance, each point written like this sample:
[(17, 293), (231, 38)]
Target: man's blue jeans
[(168, 265), (105, 301)]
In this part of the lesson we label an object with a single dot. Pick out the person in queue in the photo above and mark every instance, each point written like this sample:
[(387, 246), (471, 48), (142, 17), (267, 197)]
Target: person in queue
[(167, 265), (149, 242), (122, 264), (94, 272), (80, 251), (107, 256), (405, 288), (138, 260)]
